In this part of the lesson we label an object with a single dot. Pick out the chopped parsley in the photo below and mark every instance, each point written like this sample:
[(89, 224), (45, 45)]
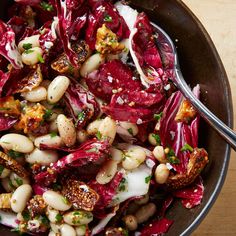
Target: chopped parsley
[(40, 58), (171, 157), (56, 186), (186, 147), (80, 118), (158, 116), (28, 51), (108, 18), (19, 181), (157, 138), (13, 154), (58, 218), (47, 115), (44, 220), (122, 185), (64, 200), (11, 184), (25, 215), (46, 6), (147, 179), (1, 169), (130, 130), (99, 135), (27, 46), (53, 134)]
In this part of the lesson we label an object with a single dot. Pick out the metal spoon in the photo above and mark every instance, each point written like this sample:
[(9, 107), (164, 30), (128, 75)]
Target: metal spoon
[(227, 133)]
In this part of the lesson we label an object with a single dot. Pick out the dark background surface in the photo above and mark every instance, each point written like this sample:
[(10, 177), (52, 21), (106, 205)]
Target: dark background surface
[(200, 63)]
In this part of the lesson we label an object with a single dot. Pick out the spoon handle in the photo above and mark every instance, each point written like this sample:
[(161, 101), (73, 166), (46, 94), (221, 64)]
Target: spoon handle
[(227, 133)]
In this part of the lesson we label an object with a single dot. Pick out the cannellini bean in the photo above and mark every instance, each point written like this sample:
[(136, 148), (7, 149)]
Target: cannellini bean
[(33, 40), (91, 64), (80, 230), (143, 200), (152, 140), (82, 136), (55, 228), (93, 127), (5, 172), (36, 95), (56, 200), (16, 142), (51, 233), (17, 181), (52, 141), (66, 130), (133, 158), (107, 172), (57, 88), (43, 157), (116, 154), (78, 217), (53, 126), (20, 198), (7, 185), (32, 56), (132, 128), (67, 230), (108, 129), (145, 212), (19, 216), (130, 222), (159, 154), (52, 214), (161, 174)]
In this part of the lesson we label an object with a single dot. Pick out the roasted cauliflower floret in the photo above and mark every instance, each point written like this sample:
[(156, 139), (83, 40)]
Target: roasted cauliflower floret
[(10, 106), (107, 42), (5, 201)]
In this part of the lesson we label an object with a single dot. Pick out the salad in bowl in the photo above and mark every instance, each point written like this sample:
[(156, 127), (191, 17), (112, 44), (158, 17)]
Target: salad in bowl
[(95, 137)]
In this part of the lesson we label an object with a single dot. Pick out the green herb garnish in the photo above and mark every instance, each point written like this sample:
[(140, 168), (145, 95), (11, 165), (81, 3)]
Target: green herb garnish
[(44, 220), (64, 200), (27, 46), (186, 147), (46, 6), (14, 154), (5, 109), (26, 215), (56, 186), (158, 116), (130, 130), (11, 184), (122, 185), (53, 134), (40, 58), (108, 18), (19, 181), (80, 118), (47, 115), (99, 135), (157, 138), (58, 218), (147, 179), (171, 157), (28, 51)]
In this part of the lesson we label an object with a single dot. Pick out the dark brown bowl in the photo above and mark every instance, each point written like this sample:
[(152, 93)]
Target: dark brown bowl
[(200, 64)]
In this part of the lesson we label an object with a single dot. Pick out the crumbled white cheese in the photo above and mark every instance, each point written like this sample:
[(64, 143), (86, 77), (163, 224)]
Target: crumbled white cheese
[(139, 121), (167, 87), (120, 101), (110, 79)]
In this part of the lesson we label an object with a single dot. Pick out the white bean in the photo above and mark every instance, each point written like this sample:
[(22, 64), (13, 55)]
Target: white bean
[(66, 130), (93, 127), (33, 41), (133, 158), (43, 157), (20, 198), (56, 200), (51, 233), (78, 217), (53, 126), (159, 154), (145, 212), (6, 183), (52, 214), (80, 230), (55, 228), (130, 222), (161, 174), (57, 88), (36, 95), (116, 154), (152, 140), (67, 230), (17, 181), (16, 142), (91, 64), (48, 139), (5, 172), (82, 136), (108, 129), (19, 216), (32, 56), (132, 128), (107, 172)]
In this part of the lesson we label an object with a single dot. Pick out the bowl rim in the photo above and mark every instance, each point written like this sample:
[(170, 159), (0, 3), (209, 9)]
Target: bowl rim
[(230, 121)]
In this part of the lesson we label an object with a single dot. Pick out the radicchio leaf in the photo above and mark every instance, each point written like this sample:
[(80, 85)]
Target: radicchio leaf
[(6, 122), (8, 47)]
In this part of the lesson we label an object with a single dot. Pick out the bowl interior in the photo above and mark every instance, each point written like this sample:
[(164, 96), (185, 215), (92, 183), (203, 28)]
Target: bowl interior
[(200, 64)]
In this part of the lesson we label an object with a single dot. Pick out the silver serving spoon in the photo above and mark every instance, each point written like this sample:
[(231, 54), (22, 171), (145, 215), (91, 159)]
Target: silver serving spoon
[(227, 133)]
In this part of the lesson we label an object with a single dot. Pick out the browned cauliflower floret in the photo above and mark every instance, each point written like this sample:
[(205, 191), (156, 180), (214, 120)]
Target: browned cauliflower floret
[(107, 42), (37, 206), (186, 112), (10, 106), (5, 201)]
